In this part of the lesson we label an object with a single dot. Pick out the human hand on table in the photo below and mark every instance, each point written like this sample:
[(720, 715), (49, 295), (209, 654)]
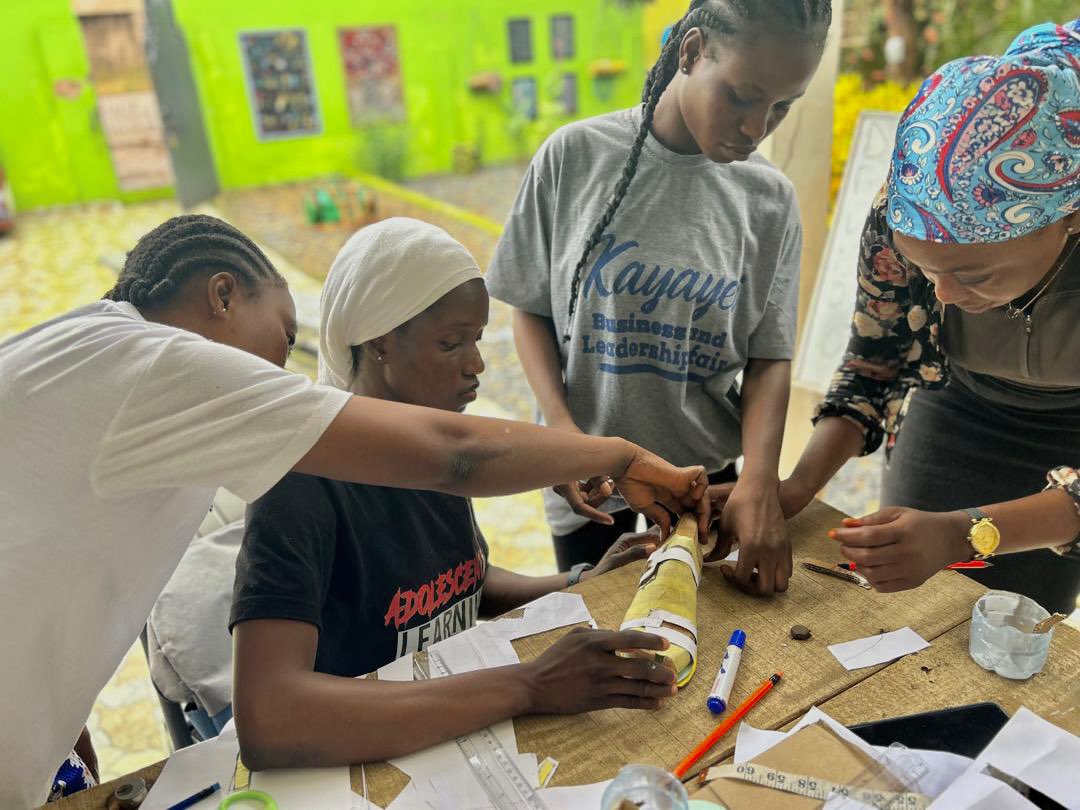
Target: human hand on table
[(581, 672), (629, 547), (751, 516), (898, 548), (656, 489)]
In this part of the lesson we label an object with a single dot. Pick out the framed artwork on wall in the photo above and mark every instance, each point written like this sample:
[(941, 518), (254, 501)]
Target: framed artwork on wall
[(562, 36), (372, 64), (281, 83), (520, 31), (523, 97)]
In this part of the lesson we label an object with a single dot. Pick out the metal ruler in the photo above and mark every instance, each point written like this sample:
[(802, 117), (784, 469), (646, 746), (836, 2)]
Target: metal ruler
[(494, 768), (811, 787)]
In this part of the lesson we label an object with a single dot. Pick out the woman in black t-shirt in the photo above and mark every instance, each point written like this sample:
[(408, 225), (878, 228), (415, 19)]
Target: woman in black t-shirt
[(335, 580)]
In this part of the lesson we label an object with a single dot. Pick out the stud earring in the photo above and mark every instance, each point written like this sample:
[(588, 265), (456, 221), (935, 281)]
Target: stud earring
[(379, 358)]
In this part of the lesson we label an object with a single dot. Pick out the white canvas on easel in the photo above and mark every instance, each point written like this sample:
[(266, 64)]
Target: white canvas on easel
[(828, 324)]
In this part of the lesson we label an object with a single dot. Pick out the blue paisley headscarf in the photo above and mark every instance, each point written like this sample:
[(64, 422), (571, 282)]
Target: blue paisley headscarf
[(989, 148)]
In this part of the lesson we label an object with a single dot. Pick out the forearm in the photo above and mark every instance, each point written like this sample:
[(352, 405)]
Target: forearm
[(504, 590), (308, 719), (765, 394), (1046, 520), (538, 350), (390, 444), (832, 443)]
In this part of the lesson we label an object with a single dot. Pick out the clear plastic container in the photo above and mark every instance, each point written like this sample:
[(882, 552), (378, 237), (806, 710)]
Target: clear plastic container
[(1001, 637), (645, 787)]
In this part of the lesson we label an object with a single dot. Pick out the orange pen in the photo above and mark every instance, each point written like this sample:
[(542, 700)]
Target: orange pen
[(726, 726)]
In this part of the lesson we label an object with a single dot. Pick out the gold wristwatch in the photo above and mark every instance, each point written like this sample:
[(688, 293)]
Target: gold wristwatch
[(983, 535)]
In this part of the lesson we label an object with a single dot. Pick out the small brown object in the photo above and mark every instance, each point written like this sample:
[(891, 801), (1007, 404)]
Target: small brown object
[(800, 632), (1049, 622)]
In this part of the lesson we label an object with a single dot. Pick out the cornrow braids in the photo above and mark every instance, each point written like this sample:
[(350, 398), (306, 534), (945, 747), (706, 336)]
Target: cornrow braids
[(165, 257), (810, 17)]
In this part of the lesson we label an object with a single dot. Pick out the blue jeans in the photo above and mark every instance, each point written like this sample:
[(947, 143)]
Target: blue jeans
[(208, 727)]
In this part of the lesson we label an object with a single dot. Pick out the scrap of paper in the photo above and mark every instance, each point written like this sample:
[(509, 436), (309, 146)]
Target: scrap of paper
[(558, 609), (1030, 749), (191, 769), (976, 791), (304, 788), (874, 650), (400, 669), (580, 797), (360, 803)]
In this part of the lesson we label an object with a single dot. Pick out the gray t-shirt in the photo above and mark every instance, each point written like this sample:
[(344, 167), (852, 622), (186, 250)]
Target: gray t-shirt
[(698, 273)]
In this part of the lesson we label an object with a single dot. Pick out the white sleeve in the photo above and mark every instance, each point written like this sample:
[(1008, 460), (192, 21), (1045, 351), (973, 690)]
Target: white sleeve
[(205, 414)]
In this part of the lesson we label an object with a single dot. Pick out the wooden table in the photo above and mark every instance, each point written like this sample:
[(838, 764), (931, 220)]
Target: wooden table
[(592, 747)]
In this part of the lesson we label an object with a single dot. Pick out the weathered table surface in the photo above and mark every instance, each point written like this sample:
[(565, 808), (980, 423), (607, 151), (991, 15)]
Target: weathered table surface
[(592, 747)]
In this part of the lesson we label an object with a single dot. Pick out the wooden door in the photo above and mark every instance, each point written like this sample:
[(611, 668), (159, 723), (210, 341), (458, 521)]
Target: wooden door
[(127, 106)]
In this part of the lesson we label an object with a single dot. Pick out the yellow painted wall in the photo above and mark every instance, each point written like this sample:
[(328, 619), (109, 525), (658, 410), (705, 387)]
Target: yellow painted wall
[(659, 14)]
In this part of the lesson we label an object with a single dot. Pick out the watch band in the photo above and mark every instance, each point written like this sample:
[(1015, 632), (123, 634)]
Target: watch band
[(576, 571), (976, 514)]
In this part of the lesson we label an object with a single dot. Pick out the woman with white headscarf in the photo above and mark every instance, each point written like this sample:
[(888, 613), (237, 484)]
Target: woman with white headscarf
[(335, 580)]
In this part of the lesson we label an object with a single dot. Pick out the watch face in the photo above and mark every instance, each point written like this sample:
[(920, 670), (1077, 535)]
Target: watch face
[(985, 537)]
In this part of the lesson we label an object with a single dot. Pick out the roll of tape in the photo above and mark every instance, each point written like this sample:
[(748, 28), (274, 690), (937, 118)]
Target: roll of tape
[(130, 794)]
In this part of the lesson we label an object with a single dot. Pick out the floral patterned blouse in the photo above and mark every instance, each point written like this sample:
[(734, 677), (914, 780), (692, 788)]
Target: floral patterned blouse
[(895, 346)]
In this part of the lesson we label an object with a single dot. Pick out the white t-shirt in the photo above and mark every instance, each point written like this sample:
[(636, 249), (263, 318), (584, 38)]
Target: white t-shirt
[(115, 434)]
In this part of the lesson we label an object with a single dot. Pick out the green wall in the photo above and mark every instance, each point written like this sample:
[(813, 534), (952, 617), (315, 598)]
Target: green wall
[(441, 45), (52, 148), (54, 152)]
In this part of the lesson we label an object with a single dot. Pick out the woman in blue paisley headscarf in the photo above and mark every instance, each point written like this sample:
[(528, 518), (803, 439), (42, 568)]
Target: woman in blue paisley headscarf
[(967, 332)]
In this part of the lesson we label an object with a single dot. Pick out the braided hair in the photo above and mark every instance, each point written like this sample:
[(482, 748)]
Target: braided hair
[(165, 258), (811, 17)]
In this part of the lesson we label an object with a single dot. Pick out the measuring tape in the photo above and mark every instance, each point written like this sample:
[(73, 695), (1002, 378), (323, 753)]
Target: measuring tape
[(811, 787), (495, 769)]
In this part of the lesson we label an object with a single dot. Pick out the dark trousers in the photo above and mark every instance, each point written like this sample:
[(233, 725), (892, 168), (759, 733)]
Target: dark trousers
[(589, 543), (958, 450)]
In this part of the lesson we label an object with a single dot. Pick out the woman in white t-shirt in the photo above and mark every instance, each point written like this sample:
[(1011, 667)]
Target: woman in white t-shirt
[(651, 257), (119, 421)]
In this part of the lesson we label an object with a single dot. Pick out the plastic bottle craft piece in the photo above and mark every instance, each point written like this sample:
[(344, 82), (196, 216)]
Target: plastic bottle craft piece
[(666, 599)]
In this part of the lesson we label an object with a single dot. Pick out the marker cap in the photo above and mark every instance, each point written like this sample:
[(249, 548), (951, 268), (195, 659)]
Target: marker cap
[(738, 639)]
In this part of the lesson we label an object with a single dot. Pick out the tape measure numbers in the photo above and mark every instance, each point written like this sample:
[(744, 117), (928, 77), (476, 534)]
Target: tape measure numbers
[(811, 787), (495, 769)]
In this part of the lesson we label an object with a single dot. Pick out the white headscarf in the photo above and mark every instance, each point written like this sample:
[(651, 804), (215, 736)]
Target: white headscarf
[(385, 275)]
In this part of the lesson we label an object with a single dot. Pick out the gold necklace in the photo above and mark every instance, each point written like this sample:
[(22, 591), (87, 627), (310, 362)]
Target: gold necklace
[(1015, 313)]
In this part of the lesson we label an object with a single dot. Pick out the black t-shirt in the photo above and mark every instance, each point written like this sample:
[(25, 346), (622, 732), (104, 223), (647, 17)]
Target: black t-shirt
[(380, 571)]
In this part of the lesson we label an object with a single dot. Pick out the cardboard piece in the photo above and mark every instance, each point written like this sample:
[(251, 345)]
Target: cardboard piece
[(815, 751)]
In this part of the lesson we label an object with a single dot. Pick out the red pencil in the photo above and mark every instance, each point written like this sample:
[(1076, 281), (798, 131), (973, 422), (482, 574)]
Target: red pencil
[(726, 726), (956, 566)]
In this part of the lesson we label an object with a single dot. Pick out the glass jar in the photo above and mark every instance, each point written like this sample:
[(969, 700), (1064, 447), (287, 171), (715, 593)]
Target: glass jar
[(645, 787)]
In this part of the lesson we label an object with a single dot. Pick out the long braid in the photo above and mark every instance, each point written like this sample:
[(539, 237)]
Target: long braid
[(164, 258), (812, 17)]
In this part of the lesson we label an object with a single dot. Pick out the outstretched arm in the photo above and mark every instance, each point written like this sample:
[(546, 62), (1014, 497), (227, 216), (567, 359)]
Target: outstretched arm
[(386, 443)]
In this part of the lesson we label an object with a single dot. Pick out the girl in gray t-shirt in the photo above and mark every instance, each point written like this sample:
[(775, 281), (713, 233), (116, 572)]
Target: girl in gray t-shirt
[(636, 310)]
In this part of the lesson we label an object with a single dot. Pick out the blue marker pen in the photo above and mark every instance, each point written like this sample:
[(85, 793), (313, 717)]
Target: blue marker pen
[(725, 678)]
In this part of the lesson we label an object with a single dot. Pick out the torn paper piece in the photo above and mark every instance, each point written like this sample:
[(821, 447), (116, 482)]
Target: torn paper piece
[(304, 788), (874, 650), (1039, 754), (398, 670), (470, 651), (558, 609), (581, 797)]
